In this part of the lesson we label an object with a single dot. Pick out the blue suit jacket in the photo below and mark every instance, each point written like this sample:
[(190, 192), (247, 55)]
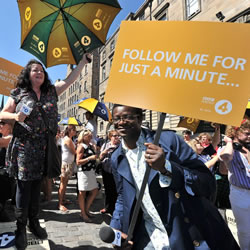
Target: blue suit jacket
[(188, 216)]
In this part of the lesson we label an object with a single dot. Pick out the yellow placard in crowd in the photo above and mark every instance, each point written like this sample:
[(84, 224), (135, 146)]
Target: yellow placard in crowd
[(194, 69), (8, 75)]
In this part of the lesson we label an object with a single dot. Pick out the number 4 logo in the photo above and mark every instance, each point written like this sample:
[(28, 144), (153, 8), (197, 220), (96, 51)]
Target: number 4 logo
[(223, 107), (7, 240)]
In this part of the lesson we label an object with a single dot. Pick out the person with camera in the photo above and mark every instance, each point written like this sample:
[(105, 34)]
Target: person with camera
[(108, 180), (236, 156)]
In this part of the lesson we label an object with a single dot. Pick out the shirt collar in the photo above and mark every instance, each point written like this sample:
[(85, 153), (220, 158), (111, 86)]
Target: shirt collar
[(139, 144)]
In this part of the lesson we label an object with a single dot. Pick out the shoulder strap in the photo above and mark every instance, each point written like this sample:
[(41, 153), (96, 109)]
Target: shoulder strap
[(45, 118)]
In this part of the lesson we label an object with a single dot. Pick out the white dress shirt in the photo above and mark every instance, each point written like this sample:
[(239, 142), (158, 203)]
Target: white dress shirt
[(154, 226)]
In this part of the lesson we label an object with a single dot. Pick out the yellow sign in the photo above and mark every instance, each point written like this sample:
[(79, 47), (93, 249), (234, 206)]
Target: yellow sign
[(8, 75), (194, 69)]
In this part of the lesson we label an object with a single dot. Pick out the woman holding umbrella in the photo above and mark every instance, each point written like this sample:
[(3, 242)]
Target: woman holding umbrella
[(33, 97)]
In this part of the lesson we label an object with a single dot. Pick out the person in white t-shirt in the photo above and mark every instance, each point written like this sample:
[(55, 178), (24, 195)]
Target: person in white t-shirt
[(68, 157)]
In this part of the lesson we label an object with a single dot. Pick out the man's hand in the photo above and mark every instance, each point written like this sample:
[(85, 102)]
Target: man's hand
[(155, 157), (124, 245)]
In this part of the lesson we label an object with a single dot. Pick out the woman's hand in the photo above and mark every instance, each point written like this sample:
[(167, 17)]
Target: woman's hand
[(87, 58), (228, 139), (20, 117)]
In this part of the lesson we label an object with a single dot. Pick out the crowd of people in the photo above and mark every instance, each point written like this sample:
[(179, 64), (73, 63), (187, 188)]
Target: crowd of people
[(179, 208)]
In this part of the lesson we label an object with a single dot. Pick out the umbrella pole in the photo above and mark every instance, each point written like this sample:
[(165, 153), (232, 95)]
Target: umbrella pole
[(145, 180)]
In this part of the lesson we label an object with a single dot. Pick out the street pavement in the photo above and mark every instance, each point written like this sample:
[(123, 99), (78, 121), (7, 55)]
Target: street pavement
[(67, 230)]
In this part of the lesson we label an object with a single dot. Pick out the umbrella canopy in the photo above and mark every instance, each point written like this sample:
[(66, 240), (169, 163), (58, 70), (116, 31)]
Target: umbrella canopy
[(70, 121), (61, 31), (95, 107)]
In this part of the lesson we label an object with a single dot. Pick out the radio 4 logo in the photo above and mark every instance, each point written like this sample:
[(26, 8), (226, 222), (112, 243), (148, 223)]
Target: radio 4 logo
[(7, 240)]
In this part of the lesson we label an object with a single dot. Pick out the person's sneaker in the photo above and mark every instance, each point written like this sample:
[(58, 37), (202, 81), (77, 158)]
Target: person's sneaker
[(38, 231)]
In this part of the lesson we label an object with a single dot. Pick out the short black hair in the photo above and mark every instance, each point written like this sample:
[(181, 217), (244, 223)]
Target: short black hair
[(188, 132), (138, 111)]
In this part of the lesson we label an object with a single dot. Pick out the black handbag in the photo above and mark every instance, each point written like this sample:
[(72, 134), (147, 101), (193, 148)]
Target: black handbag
[(52, 155)]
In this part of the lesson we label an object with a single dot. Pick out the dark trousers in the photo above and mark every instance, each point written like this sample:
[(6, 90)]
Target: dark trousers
[(7, 187), (27, 201), (110, 191)]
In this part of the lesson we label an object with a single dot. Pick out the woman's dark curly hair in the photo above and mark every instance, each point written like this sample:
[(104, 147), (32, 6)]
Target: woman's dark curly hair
[(23, 80)]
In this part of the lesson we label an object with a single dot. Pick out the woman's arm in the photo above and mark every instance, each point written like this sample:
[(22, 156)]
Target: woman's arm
[(64, 84), (211, 162), (8, 111), (216, 136), (4, 141), (69, 143), (226, 155), (79, 155)]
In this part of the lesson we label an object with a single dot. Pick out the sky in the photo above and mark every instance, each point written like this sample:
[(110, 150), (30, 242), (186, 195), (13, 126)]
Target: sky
[(10, 34)]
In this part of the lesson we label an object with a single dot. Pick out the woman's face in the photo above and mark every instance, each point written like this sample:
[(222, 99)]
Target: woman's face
[(73, 131), (204, 139), (115, 138), (87, 138), (37, 75)]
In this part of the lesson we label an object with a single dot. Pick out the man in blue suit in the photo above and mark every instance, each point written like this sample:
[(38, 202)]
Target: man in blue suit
[(176, 212)]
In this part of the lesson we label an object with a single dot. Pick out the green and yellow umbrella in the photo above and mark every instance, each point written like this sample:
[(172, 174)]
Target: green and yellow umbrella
[(61, 31)]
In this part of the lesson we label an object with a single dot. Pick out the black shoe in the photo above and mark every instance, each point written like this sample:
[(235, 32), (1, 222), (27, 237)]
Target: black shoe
[(21, 239), (38, 231)]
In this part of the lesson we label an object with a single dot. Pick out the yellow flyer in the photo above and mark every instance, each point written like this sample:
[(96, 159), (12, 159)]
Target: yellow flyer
[(8, 75), (194, 69)]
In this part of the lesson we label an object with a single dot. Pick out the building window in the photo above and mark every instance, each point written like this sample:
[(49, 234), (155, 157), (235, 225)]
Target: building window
[(101, 126), (85, 87), (104, 55), (101, 98), (163, 17), (110, 62), (142, 16), (80, 88), (112, 45), (103, 72), (192, 8)]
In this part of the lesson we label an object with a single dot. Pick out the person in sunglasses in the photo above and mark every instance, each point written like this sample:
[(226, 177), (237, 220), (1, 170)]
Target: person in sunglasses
[(175, 212)]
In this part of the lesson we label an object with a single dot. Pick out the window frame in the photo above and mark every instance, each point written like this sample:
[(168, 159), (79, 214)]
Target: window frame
[(188, 6)]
